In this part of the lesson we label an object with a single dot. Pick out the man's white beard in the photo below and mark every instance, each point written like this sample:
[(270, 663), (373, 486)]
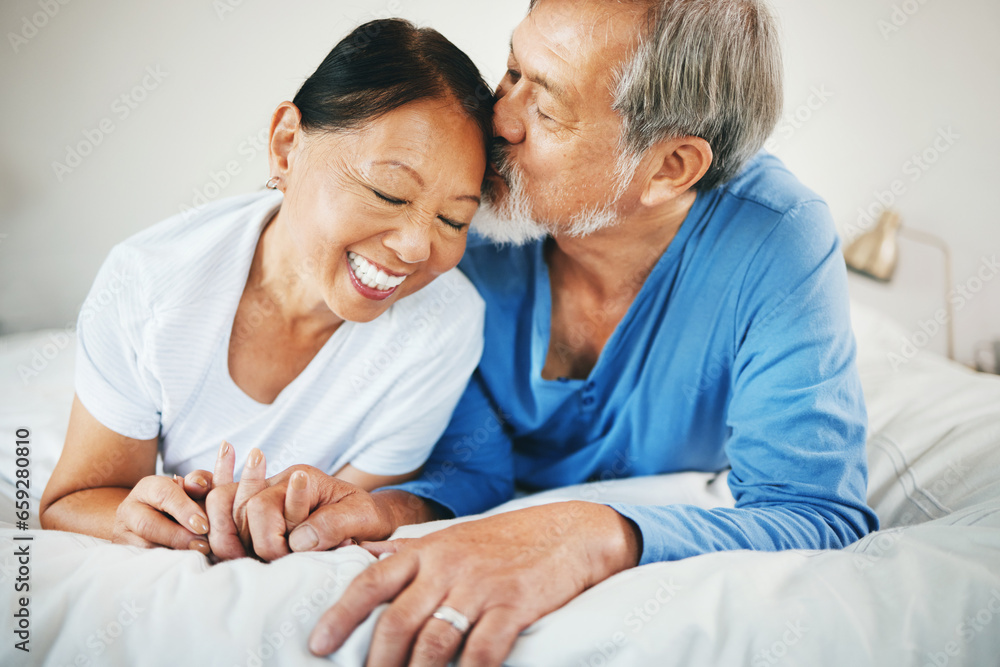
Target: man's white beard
[(508, 219)]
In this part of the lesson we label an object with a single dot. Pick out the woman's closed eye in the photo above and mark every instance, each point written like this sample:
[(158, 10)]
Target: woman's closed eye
[(393, 201), (451, 223), (389, 200)]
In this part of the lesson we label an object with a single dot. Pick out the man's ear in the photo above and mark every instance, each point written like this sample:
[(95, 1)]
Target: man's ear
[(679, 164), (285, 141)]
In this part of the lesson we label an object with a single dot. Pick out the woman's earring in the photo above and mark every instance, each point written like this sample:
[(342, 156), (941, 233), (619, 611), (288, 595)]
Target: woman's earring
[(272, 183)]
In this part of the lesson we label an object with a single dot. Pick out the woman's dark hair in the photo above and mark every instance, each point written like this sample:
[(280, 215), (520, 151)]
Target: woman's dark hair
[(385, 64)]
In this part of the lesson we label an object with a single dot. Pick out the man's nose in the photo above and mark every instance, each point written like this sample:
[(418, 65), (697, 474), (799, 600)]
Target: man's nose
[(507, 119)]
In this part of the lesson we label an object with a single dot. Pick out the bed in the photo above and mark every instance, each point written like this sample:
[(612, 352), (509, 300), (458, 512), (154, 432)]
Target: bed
[(924, 590)]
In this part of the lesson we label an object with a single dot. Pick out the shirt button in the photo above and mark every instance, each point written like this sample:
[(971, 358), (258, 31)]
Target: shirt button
[(590, 386), (588, 400)]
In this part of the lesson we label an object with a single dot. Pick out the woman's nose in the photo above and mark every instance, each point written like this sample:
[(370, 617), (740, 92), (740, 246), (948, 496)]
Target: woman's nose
[(411, 242), (507, 120)]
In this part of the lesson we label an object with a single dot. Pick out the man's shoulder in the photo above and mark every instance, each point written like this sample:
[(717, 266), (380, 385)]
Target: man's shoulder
[(499, 270), (767, 212), (777, 233), (767, 183)]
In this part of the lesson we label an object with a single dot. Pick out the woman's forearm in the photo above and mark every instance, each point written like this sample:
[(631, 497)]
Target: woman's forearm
[(90, 511)]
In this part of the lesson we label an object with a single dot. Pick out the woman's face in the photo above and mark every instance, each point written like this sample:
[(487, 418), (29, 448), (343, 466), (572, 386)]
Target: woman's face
[(378, 213)]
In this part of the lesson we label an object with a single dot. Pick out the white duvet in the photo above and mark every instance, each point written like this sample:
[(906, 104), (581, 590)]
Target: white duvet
[(925, 590)]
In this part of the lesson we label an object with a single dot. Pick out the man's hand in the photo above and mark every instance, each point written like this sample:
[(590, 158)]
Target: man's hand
[(300, 509), (317, 512), (160, 511), (503, 573)]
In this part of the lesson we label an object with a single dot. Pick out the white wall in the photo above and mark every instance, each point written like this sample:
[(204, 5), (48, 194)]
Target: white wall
[(225, 71), (892, 92)]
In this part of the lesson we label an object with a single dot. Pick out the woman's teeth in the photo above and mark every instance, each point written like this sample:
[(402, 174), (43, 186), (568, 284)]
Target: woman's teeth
[(371, 276)]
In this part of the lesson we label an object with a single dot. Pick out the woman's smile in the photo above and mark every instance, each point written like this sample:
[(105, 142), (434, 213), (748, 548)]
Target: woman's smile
[(372, 280)]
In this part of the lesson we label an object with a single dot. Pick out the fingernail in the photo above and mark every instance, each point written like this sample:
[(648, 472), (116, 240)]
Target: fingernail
[(200, 481), (298, 481), (319, 641), (303, 538), (255, 456), (198, 524), (224, 449), (200, 546)]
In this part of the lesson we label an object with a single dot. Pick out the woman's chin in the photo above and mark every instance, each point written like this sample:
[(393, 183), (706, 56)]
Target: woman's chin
[(360, 303), (359, 309)]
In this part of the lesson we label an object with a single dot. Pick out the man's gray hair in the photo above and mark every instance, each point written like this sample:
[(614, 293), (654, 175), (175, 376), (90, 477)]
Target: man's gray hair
[(704, 68)]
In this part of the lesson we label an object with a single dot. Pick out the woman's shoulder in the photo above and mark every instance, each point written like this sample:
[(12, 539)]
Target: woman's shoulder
[(192, 249), (192, 233), (447, 308), (452, 293)]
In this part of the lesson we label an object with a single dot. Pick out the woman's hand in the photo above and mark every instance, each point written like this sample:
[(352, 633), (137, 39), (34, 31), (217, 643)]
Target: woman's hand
[(226, 537), (160, 511)]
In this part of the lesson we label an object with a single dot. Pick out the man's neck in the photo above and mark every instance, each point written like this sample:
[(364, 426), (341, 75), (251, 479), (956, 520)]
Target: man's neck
[(619, 258)]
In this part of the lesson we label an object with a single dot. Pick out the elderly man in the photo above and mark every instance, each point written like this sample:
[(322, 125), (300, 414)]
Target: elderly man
[(669, 301)]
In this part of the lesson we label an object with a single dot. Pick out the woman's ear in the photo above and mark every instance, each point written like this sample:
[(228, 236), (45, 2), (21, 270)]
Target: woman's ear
[(679, 164), (285, 141)]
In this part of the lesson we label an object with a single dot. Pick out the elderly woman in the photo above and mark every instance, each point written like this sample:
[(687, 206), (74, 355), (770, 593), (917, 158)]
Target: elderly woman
[(320, 321)]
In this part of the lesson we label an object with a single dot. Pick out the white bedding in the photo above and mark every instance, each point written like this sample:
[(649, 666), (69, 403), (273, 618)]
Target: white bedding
[(923, 590)]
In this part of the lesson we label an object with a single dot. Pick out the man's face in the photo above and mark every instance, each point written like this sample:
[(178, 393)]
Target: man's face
[(557, 134)]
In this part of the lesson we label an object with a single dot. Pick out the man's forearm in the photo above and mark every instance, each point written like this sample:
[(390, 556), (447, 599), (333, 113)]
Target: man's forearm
[(675, 532), (402, 509)]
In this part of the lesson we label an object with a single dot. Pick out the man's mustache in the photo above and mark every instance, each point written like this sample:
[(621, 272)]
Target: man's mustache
[(500, 159)]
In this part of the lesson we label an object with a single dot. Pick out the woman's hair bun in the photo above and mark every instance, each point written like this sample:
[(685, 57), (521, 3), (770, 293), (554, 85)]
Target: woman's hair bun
[(385, 64)]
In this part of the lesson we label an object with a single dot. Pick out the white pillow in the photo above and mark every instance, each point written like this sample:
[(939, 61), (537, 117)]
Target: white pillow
[(934, 428), (36, 393)]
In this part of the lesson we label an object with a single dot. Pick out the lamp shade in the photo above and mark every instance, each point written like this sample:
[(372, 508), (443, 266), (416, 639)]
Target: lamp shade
[(875, 252)]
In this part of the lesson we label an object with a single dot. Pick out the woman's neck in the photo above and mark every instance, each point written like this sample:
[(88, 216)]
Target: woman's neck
[(279, 274)]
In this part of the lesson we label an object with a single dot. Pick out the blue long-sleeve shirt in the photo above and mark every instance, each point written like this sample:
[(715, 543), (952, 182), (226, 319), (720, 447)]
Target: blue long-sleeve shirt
[(737, 351)]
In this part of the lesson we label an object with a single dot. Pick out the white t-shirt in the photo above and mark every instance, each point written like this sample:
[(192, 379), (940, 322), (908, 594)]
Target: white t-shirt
[(153, 342)]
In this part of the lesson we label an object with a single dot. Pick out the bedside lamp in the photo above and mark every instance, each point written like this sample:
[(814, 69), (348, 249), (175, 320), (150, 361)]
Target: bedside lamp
[(876, 252)]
